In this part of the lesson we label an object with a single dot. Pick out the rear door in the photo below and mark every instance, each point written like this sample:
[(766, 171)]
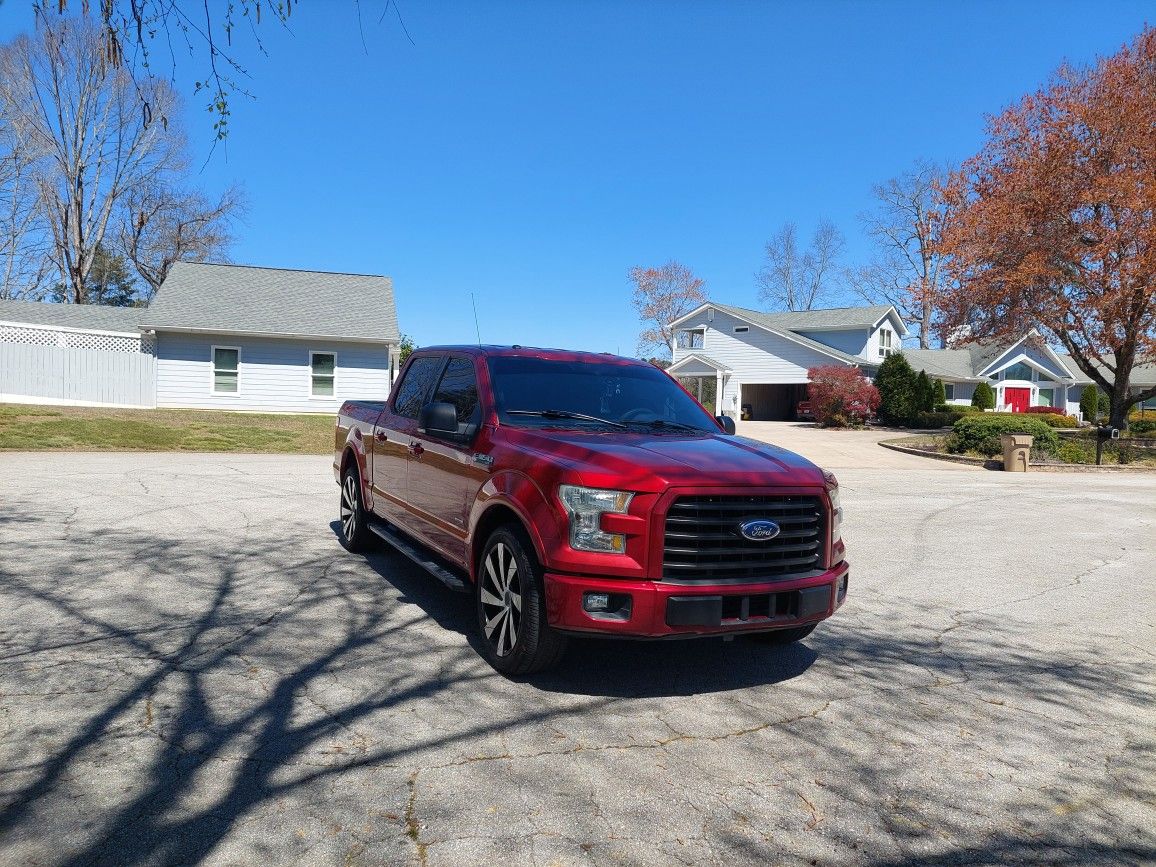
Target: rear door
[(444, 477), (394, 436)]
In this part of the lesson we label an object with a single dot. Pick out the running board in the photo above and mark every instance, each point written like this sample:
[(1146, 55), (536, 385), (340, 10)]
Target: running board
[(419, 556)]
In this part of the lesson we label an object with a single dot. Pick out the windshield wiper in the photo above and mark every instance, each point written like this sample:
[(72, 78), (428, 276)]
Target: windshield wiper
[(673, 425), (564, 413)]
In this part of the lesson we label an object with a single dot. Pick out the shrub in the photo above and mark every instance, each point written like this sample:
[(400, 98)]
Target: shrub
[(1142, 427), (981, 433), (1089, 403), (1103, 403), (961, 408), (896, 383), (1059, 420), (936, 419), (1043, 410), (840, 396), (983, 397), (924, 393), (939, 393)]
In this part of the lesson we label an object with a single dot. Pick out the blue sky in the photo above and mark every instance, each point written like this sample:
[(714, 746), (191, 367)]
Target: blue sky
[(530, 153)]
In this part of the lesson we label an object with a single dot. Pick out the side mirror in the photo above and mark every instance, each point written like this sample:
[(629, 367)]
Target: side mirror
[(728, 424), (438, 419)]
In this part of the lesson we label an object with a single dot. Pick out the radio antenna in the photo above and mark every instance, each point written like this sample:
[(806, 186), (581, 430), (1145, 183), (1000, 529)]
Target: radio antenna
[(477, 328)]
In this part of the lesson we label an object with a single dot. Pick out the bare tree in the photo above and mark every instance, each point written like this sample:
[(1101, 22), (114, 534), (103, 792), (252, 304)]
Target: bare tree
[(794, 279), (163, 225), (905, 226), (662, 295), (61, 94), (23, 240)]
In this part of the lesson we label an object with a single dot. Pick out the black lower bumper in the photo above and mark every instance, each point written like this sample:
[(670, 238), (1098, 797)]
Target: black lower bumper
[(754, 608)]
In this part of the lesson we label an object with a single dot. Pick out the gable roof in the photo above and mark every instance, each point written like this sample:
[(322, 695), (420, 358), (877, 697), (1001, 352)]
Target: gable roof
[(244, 299), (701, 359), (93, 317), (832, 319), (1143, 374)]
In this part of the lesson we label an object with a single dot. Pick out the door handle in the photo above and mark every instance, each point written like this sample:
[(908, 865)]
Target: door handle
[(381, 437), (415, 449)]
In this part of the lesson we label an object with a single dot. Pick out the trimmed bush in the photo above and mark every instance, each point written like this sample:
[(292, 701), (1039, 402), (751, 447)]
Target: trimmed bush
[(1142, 427), (1059, 420), (924, 393), (981, 433), (1089, 403), (1044, 410), (961, 408), (984, 396), (936, 419), (939, 393), (896, 383)]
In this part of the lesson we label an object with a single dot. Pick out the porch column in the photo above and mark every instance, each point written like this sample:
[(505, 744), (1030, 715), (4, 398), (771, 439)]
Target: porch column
[(718, 392)]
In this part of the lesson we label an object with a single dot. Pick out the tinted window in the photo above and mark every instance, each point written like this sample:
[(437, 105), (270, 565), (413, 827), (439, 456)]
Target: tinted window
[(459, 386), (416, 384), (631, 394)]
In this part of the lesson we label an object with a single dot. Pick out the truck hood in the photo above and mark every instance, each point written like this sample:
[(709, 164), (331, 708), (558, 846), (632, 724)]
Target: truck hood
[(654, 462)]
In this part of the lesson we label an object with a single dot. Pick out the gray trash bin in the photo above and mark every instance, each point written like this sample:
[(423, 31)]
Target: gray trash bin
[(1017, 451)]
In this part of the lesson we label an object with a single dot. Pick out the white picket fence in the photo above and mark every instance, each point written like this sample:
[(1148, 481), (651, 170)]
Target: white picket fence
[(78, 376)]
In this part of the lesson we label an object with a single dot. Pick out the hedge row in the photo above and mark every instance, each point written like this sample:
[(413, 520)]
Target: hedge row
[(981, 433)]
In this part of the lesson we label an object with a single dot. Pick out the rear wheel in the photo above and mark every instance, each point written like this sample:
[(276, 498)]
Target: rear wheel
[(784, 636), (511, 606), (355, 533)]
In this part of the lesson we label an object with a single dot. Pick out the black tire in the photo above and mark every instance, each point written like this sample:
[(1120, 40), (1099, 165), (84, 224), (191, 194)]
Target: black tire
[(511, 606), (354, 531), (784, 636)]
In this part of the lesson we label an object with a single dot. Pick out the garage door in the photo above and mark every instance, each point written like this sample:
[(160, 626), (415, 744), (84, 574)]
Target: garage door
[(772, 402)]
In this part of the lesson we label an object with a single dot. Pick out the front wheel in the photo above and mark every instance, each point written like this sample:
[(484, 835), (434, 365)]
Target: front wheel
[(355, 533), (511, 607), (784, 636)]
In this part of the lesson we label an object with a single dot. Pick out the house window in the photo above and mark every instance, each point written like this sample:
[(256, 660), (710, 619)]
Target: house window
[(742, 329), (691, 339), (949, 391), (226, 369), (322, 373), (885, 346), (1047, 397), (1019, 370)]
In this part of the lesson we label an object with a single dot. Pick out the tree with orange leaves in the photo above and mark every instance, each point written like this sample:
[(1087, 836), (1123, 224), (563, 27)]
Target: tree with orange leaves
[(1051, 225)]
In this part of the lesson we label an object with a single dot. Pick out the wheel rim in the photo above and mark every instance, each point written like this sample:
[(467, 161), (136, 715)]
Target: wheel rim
[(501, 593), (349, 506)]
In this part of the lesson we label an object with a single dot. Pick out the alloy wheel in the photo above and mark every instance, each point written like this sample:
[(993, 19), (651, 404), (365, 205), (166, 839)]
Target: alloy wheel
[(501, 599), (349, 506)]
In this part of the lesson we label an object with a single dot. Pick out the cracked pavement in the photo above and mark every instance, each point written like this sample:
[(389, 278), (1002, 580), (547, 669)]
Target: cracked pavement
[(192, 670)]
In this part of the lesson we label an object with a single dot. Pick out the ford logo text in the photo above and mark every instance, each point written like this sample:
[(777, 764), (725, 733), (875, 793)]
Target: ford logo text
[(759, 530)]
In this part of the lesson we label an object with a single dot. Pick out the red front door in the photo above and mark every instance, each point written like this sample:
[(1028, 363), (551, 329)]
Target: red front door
[(1017, 398)]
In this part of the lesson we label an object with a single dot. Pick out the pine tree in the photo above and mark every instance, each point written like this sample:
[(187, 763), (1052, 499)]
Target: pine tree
[(940, 393), (896, 384), (924, 393), (984, 396)]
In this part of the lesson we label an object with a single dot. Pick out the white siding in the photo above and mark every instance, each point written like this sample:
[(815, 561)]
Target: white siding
[(853, 342), (754, 356), (274, 373)]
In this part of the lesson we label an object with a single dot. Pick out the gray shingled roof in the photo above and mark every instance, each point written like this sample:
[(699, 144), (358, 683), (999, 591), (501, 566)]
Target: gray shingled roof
[(947, 363), (92, 316), (1143, 375), (812, 320), (774, 322), (243, 299)]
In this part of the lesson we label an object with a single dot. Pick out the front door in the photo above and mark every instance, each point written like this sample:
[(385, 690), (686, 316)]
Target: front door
[(1017, 398), (444, 475)]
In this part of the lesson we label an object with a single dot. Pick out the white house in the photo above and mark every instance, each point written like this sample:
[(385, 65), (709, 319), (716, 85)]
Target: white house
[(759, 361), (215, 337)]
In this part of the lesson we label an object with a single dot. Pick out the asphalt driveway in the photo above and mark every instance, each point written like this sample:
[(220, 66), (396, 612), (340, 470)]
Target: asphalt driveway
[(845, 449), (193, 670)]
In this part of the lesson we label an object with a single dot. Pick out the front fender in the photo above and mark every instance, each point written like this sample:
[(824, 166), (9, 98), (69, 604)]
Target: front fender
[(519, 493)]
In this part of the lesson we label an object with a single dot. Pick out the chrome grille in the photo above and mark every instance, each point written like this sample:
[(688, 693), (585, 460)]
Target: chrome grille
[(703, 542)]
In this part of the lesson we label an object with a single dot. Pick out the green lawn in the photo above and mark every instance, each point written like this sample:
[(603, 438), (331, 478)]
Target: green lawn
[(62, 428)]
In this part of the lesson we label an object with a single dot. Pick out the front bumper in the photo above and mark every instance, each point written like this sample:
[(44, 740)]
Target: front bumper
[(659, 609)]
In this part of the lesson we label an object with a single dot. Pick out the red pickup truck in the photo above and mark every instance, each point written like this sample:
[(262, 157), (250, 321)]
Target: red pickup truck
[(580, 494)]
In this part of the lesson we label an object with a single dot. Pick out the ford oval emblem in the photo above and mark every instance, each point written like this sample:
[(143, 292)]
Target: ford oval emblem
[(759, 529)]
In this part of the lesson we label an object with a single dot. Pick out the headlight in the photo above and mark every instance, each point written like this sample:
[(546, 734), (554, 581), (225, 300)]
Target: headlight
[(585, 508), (832, 485)]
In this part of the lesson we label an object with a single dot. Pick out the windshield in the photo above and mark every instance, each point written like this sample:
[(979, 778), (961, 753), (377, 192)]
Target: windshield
[(542, 392)]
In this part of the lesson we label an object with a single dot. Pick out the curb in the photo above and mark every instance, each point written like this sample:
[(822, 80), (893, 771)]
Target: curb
[(993, 464)]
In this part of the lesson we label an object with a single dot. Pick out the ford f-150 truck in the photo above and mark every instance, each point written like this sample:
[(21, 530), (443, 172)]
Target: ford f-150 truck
[(581, 494)]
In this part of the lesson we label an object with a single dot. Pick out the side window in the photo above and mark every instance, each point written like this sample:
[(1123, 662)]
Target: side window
[(949, 390), (459, 386), (226, 369), (419, 379)]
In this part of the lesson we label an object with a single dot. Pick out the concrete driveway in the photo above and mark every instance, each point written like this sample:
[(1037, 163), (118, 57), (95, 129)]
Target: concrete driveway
[(192, 670), (838, 449)]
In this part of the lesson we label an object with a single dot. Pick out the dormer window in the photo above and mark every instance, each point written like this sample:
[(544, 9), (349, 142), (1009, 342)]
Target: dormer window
[(693, 339)]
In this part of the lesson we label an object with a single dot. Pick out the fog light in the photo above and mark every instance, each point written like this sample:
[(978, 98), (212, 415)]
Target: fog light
[(596, 602)]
